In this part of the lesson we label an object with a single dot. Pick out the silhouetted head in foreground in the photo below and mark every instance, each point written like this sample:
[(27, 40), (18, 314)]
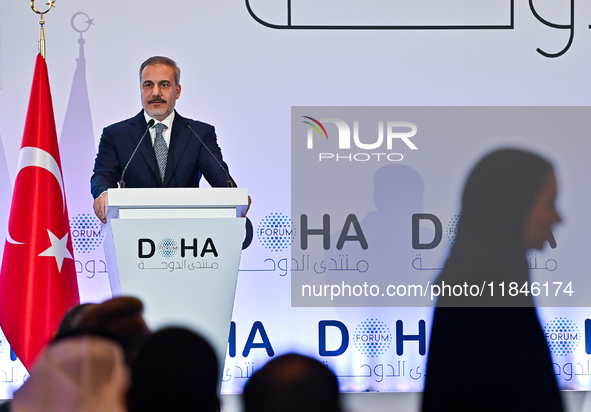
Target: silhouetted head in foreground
[(71, 318), (78, 373), (507, 208), (176, 370), (508, 202), (292, 383), (120, 317)]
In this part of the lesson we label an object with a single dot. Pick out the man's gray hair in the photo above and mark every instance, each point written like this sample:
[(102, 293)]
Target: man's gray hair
[(154, 60)]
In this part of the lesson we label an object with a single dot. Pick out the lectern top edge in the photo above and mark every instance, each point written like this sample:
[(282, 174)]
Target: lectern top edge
[(177, 197), (146, 202)]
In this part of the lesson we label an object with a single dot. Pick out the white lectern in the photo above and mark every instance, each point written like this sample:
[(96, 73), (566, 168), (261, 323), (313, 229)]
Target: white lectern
[(178, 250)]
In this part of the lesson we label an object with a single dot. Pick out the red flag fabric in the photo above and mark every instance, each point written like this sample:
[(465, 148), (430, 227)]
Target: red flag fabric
[(38, 281)]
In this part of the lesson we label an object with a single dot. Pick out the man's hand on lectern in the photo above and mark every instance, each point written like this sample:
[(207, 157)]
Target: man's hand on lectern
[(99, 207)]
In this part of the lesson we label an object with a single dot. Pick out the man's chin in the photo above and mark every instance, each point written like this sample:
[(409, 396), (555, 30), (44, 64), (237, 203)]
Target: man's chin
[(157, 114)]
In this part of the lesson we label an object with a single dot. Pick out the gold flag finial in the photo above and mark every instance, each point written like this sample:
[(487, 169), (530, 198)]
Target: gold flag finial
[(50, 4)]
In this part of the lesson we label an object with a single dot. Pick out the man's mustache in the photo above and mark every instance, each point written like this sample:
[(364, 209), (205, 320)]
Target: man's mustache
[(157, 100)]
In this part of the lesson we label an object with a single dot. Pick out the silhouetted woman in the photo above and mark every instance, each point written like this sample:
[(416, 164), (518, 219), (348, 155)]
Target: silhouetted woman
[(489, 353)]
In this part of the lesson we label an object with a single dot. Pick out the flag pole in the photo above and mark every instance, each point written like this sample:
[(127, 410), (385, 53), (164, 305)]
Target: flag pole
[(38, 281), (50, 4)]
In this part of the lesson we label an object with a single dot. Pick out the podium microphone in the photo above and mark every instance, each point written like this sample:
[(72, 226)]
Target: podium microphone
[(231, 182), (122, 181)]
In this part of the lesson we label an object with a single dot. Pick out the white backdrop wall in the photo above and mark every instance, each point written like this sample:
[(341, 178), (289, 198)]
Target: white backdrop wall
[(244, 78)]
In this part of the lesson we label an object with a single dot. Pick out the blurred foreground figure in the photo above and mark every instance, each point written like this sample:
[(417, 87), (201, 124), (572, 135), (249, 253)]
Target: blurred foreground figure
[(175, 370), (71, 318), (120, 317), (82, 373), (489, 353), (292, 383)]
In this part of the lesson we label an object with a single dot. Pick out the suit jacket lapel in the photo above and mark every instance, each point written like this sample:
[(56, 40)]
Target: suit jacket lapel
[(179, 139), (146, 150)]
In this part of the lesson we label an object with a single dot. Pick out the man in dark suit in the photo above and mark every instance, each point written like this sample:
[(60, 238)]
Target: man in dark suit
[(182, 156)]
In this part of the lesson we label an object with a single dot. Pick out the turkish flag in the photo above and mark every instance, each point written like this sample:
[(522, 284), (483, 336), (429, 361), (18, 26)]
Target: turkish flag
[(38, 279)]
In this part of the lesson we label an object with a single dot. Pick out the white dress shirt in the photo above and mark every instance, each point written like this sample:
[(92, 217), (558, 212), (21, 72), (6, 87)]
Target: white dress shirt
[(166, 133)]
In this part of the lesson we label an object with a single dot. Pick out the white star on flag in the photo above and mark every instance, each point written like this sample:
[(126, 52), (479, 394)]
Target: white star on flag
[(58, 249)]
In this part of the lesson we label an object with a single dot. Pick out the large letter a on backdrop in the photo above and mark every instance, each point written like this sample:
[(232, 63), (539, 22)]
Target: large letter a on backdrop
[(38, 279)]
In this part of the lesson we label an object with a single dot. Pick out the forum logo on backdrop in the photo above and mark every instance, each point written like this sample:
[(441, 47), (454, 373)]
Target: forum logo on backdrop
[(563, 336), (87, 234), (348, 144), (452, 228), (372, 338), (3, 342), (276, 232)]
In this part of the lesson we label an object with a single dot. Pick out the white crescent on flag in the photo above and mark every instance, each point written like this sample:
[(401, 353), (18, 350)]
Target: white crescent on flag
[(35, 157)]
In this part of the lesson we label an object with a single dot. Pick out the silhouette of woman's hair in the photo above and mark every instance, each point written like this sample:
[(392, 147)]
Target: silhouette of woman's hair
[(497, 197)]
